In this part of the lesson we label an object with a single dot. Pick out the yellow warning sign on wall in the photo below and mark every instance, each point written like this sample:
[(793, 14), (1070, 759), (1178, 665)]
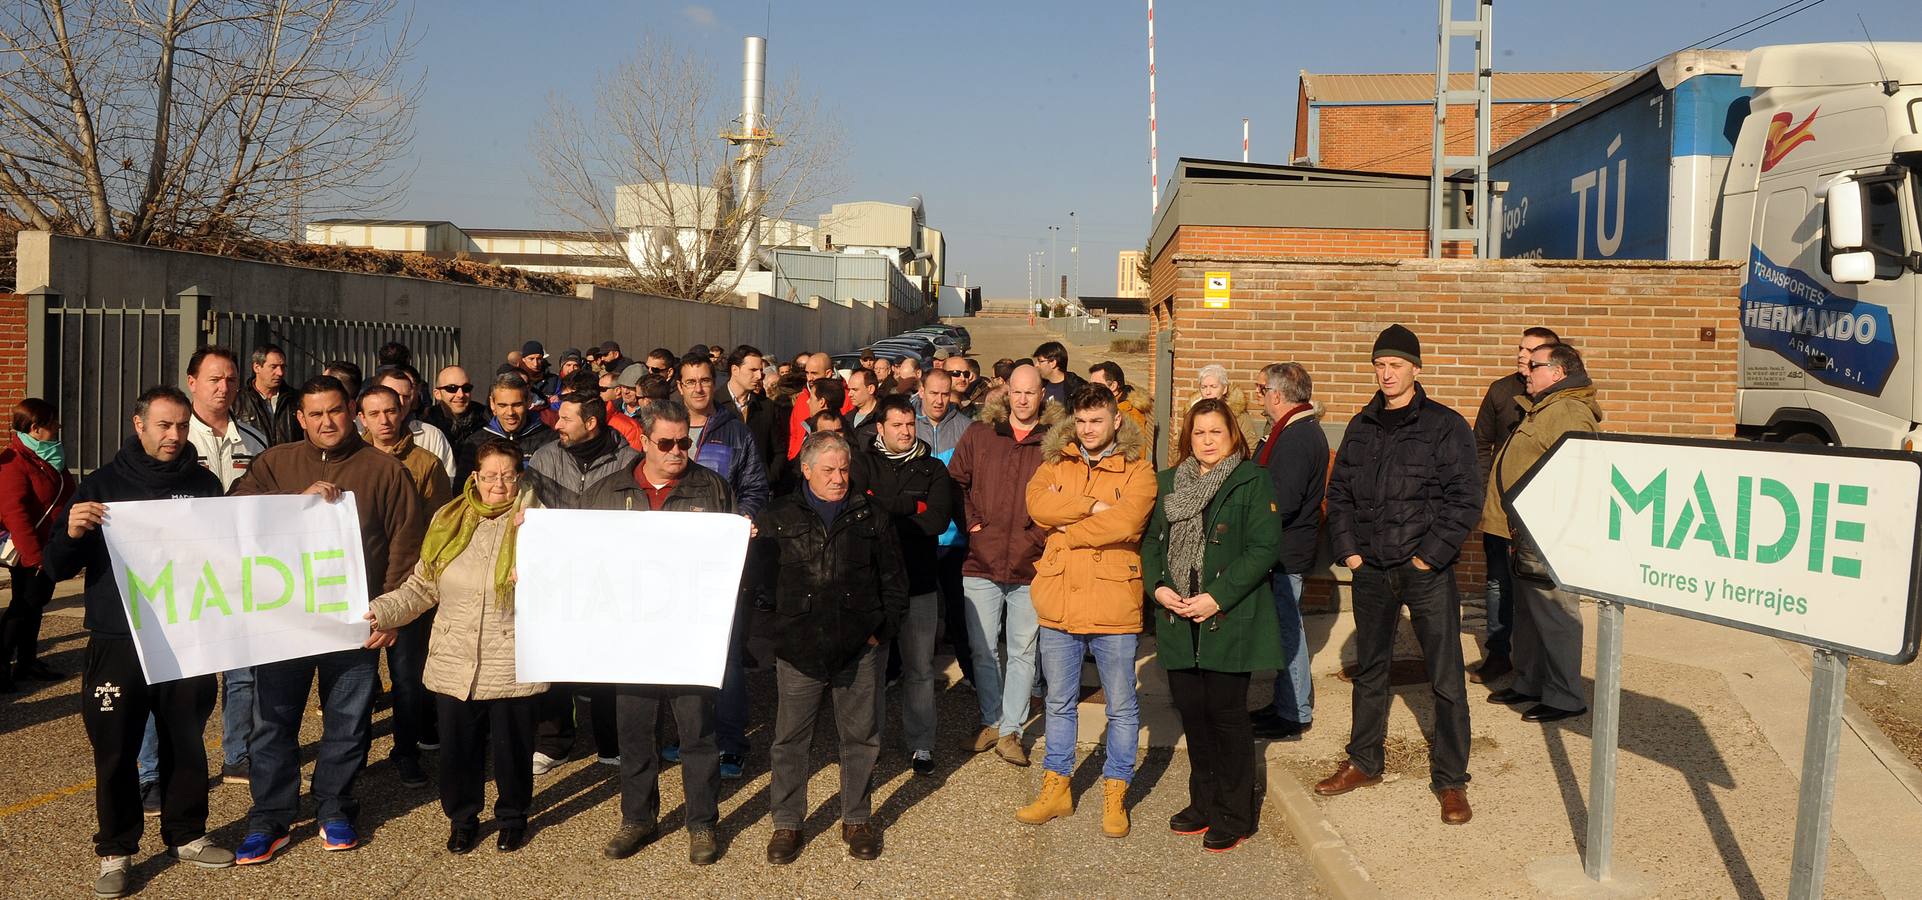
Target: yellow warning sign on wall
[(1215, 292)]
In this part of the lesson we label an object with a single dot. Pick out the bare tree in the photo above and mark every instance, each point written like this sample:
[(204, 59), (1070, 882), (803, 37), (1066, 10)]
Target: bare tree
[(156, 120), (648, 161)]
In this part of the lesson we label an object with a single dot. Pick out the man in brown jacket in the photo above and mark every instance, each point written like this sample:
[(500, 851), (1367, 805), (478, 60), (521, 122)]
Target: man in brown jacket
[(1493, 424), (331, 461), (383, 422), (992, 464), (1547, 644), (1093, 494)]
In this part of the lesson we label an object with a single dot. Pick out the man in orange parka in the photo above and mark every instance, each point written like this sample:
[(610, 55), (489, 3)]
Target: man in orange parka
[(1093, 492)]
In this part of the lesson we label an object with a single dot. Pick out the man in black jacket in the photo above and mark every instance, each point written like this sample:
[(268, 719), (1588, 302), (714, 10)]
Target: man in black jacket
[(1296, 455), (1404, 495), (514, 419), (840, 600), (157, 463), (1496, 420), (267, 403), (455, 410), (907, 481), (665, 479)]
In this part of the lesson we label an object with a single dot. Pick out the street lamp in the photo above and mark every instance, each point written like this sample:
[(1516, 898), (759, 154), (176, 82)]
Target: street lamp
[(1075, 253), (1053, 232)]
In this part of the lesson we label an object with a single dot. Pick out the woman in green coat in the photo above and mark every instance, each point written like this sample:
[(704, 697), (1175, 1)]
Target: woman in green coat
[(1206, 556)]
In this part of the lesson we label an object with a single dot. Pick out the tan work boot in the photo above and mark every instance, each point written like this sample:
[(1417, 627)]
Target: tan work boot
[(1009, 748), (984, 739), (1114, 809), (1053, 802)]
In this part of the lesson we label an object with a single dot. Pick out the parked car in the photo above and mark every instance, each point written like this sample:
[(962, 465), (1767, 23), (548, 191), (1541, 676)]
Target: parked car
[(894, 348), (957, 332)]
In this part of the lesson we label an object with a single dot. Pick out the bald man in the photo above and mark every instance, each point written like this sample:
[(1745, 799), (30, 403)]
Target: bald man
[(456, 414), (993, 462)]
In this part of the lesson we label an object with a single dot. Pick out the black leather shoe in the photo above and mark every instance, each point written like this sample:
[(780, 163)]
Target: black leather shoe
[(1492, 668), (511, 839), (784, 847), (1220, 842), (462, 839), (1542, 712), (1512, 697), (38, 671), (1280, 730)]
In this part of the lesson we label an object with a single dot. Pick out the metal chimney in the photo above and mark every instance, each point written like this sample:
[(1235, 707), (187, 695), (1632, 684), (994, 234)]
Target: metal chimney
[(752, 139)]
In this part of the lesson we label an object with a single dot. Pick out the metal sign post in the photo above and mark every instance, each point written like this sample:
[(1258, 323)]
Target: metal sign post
[(1815, 545), (1607, 720), (1820, 752)]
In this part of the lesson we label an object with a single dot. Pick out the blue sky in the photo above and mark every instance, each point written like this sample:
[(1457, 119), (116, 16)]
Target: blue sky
[(1005, 116)]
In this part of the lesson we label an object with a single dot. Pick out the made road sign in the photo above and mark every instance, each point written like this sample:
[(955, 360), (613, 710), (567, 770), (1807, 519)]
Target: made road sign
[(1816, 545), (1215, 292)]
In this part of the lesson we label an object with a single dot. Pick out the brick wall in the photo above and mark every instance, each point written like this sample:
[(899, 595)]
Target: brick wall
[(1638, 325), (1398, 138), (13, 349)]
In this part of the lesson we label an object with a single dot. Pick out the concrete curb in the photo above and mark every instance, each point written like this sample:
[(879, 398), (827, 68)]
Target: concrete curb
[(1338, 868), (1863, 725)]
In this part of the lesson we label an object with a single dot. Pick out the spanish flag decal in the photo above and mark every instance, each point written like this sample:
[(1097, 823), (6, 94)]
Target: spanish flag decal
[(1782, 138)]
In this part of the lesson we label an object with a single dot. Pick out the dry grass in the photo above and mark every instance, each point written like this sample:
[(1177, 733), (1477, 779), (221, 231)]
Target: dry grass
[(1128, 345)]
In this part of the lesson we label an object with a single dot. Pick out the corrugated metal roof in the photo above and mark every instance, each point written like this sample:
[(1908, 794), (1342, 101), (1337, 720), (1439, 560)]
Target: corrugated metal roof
[(1419, 87)]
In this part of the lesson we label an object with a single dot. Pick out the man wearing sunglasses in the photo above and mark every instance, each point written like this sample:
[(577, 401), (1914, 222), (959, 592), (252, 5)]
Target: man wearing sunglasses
[(966, 387), (561, 473), (1496, 420), (454, 411), (666, 478)]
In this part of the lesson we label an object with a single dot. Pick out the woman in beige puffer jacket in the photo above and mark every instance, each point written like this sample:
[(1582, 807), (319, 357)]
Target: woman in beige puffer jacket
[(466, 569)]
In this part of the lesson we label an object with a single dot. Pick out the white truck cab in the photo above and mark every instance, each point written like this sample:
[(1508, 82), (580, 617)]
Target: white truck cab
[(1822, 200)]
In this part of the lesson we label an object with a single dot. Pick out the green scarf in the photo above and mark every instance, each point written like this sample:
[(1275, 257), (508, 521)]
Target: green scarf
[(51, 451), (453, 527)]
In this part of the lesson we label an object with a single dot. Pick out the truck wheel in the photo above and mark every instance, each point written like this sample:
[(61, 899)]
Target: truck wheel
[(1809, 438)]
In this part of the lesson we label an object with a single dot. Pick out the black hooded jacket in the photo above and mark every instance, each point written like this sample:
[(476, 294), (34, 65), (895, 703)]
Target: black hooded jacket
[(130, 475), (841, 582)]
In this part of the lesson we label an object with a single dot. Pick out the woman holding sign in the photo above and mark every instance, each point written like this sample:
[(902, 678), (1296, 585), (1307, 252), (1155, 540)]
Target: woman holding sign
[(467, 569)]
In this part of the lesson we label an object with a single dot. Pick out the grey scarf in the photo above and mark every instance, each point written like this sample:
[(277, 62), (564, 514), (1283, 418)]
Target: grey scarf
[(1186, 530)]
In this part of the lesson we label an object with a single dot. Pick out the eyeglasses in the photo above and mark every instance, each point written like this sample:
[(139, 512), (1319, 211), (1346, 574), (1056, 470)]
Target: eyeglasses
[(666, 445), (959, 373), (697, 382), (1532, 365), (660, 370), (509, 478), (462, 388)]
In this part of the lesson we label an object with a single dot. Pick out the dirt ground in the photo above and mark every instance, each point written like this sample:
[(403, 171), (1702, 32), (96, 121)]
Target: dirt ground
[(1892, 695)]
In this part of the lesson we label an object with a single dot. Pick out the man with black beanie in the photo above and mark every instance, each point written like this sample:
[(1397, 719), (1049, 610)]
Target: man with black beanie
[(157, 463), (1404, 495)]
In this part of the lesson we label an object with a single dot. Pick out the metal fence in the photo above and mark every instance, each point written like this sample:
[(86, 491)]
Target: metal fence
[(311, 343), (92, 357)]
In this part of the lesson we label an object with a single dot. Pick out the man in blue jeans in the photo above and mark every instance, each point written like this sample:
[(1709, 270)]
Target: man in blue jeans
[(332, 460), (1295, 452), (1093, 494), (992, 464)]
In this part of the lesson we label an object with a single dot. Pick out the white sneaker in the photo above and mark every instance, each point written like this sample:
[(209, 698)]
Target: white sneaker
[(610, 760), (544, 763)]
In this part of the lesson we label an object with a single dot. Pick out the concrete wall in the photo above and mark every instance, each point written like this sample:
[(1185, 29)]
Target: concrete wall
[(492, 321)]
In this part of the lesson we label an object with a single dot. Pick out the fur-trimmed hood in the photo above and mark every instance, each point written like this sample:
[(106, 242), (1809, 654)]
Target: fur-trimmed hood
[(994, 412), (1138, 400), (1061, 440)]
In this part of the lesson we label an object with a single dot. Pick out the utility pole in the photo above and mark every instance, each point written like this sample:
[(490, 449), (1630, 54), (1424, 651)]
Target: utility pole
[(1076, 253)]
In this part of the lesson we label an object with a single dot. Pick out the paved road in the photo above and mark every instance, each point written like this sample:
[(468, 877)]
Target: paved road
[(951, 835)]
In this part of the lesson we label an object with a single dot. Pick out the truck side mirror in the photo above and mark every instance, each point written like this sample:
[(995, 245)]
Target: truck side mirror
[(1843, 208), (1857, 267)]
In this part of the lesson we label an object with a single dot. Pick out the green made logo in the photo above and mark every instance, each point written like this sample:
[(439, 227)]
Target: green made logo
[(1694, 519)]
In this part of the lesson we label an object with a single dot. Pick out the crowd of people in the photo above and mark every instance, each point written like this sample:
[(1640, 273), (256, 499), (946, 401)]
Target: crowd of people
[(1014, 514)]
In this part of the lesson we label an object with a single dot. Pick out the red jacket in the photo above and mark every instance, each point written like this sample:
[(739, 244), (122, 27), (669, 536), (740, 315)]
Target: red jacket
[(28, 489), (627, 428), (797, 425)]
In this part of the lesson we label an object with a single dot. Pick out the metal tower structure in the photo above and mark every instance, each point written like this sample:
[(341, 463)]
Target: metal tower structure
[(753, 137), (1154, 158), (1481, 28)]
